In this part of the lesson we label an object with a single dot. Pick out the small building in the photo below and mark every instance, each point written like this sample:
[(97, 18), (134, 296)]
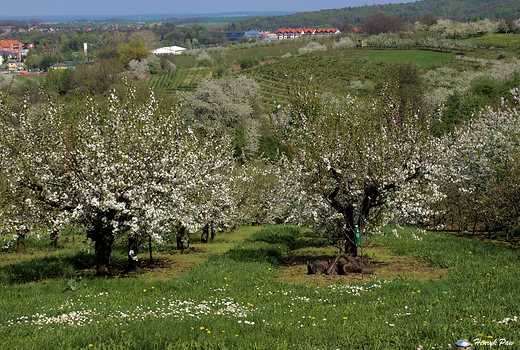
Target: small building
[(14, 66), (169, 50), (252, 34), (234, 36), (59, 66)]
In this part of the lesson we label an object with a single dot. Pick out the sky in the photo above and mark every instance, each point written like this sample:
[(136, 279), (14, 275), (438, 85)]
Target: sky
[(141, 7)]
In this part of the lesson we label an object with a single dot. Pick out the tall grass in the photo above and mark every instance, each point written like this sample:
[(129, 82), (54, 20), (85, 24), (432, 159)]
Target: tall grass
[(234, 301)]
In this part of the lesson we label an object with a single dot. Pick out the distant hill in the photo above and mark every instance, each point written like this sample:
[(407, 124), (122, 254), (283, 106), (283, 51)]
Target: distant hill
[(460, 10), (76, 17)]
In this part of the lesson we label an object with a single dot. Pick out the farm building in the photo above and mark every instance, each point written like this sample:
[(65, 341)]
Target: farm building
[(169, 50)]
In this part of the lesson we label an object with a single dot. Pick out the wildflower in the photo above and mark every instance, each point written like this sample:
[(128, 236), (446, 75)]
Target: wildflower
[(223, 331), (268, 269), (208, 331), (144, 290), (236, 335), (479, 335), (90, 345), (227, 285), (418, 290), (153, 287), (201, 328), (490, 337), (132, 315), (345, 318)]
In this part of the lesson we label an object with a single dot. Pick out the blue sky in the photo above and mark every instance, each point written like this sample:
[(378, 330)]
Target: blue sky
[(137, 7)]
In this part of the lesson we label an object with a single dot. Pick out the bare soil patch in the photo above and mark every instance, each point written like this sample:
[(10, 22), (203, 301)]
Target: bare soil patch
[(386, 265)]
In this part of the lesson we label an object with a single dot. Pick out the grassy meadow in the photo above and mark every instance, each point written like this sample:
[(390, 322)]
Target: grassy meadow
[(249, 290)]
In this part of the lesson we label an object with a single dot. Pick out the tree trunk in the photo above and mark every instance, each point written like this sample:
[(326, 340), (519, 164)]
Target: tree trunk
[(54, 238), (150, 247), (205, 234), (350, 242), (347, 211), (132, 251), (20, 243), (212, 232), (103, 248), (180, 239)]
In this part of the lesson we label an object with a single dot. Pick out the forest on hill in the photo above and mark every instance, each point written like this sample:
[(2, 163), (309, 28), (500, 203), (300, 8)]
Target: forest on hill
[(460, 10)]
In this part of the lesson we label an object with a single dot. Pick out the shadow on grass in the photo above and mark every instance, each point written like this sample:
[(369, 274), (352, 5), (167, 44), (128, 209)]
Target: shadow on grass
[(256, 253), (44, 268)]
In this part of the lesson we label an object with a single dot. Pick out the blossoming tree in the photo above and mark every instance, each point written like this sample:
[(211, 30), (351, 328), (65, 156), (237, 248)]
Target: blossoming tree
[(483, 159), (116, 167), (351, 159)]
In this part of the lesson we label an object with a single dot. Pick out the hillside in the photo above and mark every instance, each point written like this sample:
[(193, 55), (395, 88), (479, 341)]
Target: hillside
[(461, 10)]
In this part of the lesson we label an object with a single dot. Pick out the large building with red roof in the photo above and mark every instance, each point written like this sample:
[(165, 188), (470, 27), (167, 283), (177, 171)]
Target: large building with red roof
[(293, 33), (12, 46)]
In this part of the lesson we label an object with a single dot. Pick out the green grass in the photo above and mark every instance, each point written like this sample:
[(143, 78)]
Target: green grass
[(497, 40), (234, 301)]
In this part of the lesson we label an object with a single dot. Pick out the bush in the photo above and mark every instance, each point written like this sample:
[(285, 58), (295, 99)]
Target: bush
[(312, 47), (248, 62)]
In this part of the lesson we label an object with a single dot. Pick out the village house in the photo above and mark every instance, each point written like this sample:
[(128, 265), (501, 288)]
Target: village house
[(11, 46)]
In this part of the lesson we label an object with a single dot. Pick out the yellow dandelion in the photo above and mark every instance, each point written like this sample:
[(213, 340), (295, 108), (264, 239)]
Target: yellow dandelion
[(132, 315), (223, 331), (418, 290), (90, 345), (153, 287), (413, 292), (483, 340), (201, 328), (470, 253), (192, 328), (227, 285), (225, 278), (144, 290), (236, 335), (480, 335), (507, 267), (354, 303), (208, 331), (268, 269), (490, 337), (249, 304), (123, 331), (345, 318)]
